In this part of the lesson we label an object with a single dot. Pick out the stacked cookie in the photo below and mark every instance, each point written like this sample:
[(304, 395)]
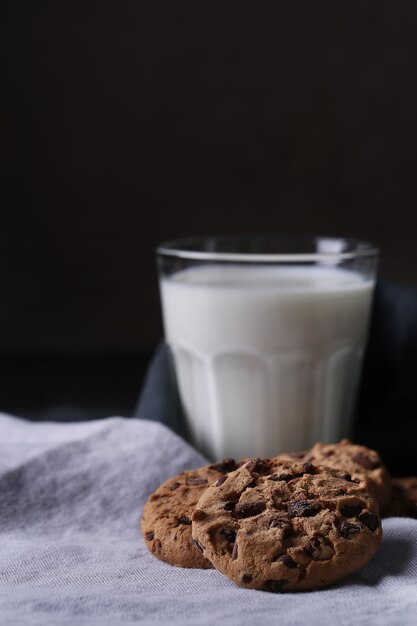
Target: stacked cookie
[(294, 522), (403, 501), (166, 519)]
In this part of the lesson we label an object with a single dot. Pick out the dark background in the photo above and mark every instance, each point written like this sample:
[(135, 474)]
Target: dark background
[(124, 124)]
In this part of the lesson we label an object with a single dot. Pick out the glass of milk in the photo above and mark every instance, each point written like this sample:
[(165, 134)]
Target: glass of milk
[(267, 337)]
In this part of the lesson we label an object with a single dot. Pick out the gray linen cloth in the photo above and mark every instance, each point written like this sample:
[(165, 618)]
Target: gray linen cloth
[(71, 551)]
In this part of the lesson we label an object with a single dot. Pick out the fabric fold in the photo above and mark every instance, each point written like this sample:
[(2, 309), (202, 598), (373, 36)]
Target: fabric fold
[(71, 496)]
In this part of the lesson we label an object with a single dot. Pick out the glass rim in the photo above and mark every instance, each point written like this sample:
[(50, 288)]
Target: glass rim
[(359, 249)]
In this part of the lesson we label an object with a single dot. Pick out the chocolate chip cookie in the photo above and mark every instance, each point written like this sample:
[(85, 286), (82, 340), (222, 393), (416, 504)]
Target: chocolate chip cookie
[(403, 501), (357, 461), (287, 526), (166, 519)]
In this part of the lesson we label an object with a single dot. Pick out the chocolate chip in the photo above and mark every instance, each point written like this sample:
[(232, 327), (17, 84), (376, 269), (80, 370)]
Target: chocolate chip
[(149, 536), (229, 534), (174, 486), (196, 481), (287, 561), (303, 508), (157, 546), (365, 462), (370, 520), (348, 530), (290, 532), (275, 585), (309, 468), (247, 578), (220, 481), (340, 492), (328, 453), (259, 466), (230, 505), (184, 520), (313, 545), (319, 548), (302, 573), (224, 466), (199, 515), (248, 509), (235, 551), (350, 510), (198, 545), (348, 477)]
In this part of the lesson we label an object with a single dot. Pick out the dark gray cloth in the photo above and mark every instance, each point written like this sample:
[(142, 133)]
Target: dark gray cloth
[(387, 404), (159, 399), (386, 415), (71, 554)]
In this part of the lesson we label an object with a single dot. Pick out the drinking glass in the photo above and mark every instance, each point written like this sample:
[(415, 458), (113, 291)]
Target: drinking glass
[(267, 336)]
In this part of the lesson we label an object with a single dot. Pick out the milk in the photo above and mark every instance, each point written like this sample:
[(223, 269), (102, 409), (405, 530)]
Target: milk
[(267, 358)]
